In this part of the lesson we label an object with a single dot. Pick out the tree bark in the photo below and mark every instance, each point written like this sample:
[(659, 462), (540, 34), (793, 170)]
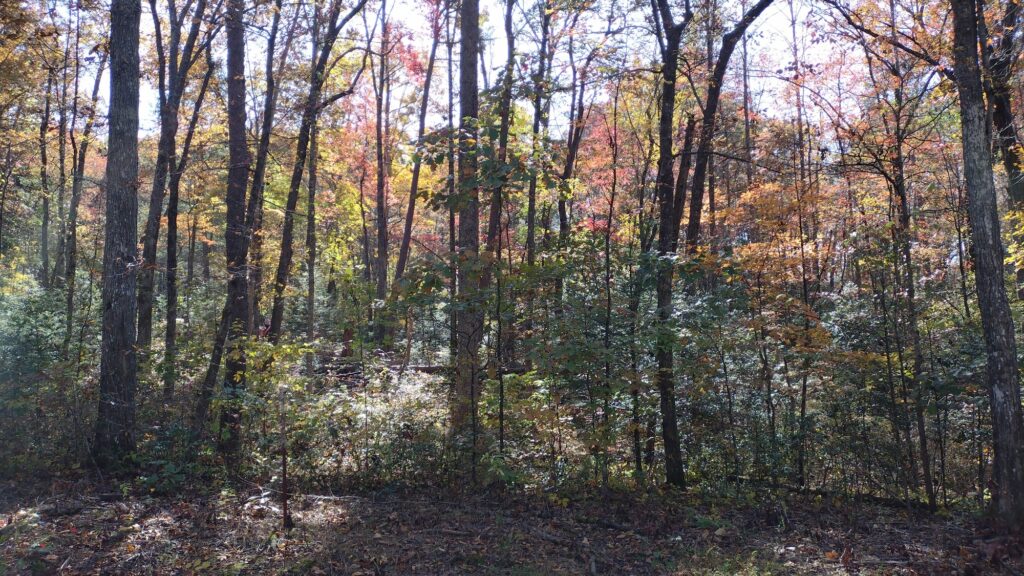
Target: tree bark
[(997, 322), (539, 89), (44, 183), (115, 423), (403, 251), (310, 110), (311, 185), (235, 236), (382, 92), (254, 208), (470, 318), (70, 243), (668, 227)]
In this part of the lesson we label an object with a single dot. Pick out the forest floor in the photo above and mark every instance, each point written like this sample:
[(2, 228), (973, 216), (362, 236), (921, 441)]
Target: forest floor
[(76, 528)]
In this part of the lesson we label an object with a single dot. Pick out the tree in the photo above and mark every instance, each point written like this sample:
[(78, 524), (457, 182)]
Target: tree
[(670, 198), (174, 64), (311, 109), (115, 424), (235, 235), (1000, 343), (410, 212), (469, 328), (710, 111)]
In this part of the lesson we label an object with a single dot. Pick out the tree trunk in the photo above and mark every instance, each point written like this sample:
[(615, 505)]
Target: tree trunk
[(539, 88), (453, 344), (173, 70), (668, 227), (997, 322), (311, 185), (115, 423), (707, 131), (309, 113), (44, 183), (254, 209), (70, 243), (235, 236), (403, 251), (470, 319), (171, 328), (382, 91)]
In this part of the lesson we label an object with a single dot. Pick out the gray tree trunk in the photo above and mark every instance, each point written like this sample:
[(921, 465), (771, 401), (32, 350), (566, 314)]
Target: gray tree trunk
[(115, 423), (996, 320)]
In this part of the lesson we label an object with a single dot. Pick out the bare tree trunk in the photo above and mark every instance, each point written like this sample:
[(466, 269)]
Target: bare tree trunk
[(115, 424), (44, 183), (309, 113), (311, 185), (171, 328), (382, 92), (235, 236), (403, 251), (453, 345), (707, 131), (8, 171), (254, 209), (539, 89), (668, 228), (62, 163), (70, 243), (505, 119), (997, 322), (470, 318), (999, 59), (173, 70)]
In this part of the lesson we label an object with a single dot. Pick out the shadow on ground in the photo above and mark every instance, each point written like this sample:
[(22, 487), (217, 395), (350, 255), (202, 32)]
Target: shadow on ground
[(80, 529)]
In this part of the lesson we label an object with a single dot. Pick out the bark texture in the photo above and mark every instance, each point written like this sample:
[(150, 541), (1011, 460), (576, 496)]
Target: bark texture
[(1004, 387), (115, 423)]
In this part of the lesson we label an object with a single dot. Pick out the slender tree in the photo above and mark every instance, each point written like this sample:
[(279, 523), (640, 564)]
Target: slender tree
[(709, 113), (174, 191), (469, 329), (314, 103), (669, 37), (174, 64), (236, 237), (410, 212)]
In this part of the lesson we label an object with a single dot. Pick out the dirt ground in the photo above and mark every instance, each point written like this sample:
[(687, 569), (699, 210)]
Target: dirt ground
[(78, 528)]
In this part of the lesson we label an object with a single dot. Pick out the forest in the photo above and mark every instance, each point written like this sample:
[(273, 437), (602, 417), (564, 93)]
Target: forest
[(511, 287)]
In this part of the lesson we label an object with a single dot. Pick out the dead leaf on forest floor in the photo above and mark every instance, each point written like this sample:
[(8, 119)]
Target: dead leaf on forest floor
[(418, 533)]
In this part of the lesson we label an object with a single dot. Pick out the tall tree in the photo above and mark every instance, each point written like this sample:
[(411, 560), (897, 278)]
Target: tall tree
[(174, 63), (254, 208), (469, 328), (996, 320), (44, 184), (174, 190), (670, 36), (235, 236), (115, 424), (709, 114), (69, 251), (252, 219), (410, 212), (314, 103), (382, 96)]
